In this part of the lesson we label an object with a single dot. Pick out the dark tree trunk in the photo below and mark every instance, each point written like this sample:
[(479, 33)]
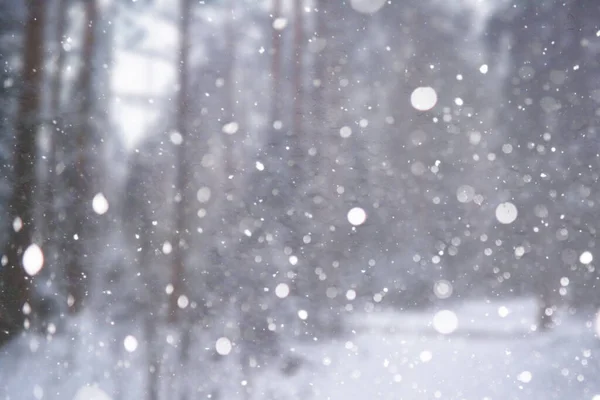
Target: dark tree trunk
[(49, 211), (15, 284), (80, 174), (49, 225)]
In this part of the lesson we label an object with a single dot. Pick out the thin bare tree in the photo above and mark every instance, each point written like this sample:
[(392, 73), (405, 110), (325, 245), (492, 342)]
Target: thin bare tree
[(15, 284)]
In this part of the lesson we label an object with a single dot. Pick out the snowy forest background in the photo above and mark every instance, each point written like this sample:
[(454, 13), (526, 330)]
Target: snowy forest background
[(196, 195)]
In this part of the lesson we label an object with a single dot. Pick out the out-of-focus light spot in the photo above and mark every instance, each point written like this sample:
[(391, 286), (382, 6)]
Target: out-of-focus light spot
[(519, 251), (525, 377), (260, 166), (38, 392), (442, 289), (17, 224), (345, 132), (302, 314), (351, 294), (425, 356), (465, 193), (100, 204), (367, 6), (562, 234), (586, 257), (423, 98), (418, 168), (597, 323), (331, 292), (176, 138), (230, 128), (503, 311), (223, 346), (91, 393), (280, 23), (445, 322), (293, 260), (506, 213), (33, 259), (282, 290), (474, 138), (357, 216), (203, 194), (483, 69), (182, 301), (130, 343)]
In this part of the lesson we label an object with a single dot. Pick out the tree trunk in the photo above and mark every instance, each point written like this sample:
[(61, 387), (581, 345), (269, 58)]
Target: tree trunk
[(15, 284), (298, 70), (180, 243), (49, 225), (80, 176), (153, 357), (275, 66), (48, 209), (230, 114)]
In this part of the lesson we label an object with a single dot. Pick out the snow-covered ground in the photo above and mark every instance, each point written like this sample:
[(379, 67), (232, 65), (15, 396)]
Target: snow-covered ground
[(491, 354)]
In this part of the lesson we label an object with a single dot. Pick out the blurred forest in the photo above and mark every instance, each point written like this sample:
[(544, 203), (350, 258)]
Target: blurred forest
[(250, 172)]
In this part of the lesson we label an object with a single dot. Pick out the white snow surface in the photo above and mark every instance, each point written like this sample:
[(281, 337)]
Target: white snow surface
[(494, 354)]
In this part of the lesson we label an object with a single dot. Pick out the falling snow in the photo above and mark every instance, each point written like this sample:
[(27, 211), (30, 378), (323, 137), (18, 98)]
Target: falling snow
[(33, 259), (280, 23), (282, 290), (445, 322), (357, 216), (506, 213), (424, 98), (100, 204), (586, 257), (223, 346), (369, 199), (130, 343), (367, 6)]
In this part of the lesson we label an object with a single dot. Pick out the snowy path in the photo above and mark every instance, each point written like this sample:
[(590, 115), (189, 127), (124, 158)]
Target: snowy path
[(389, 355), (489, 357)]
